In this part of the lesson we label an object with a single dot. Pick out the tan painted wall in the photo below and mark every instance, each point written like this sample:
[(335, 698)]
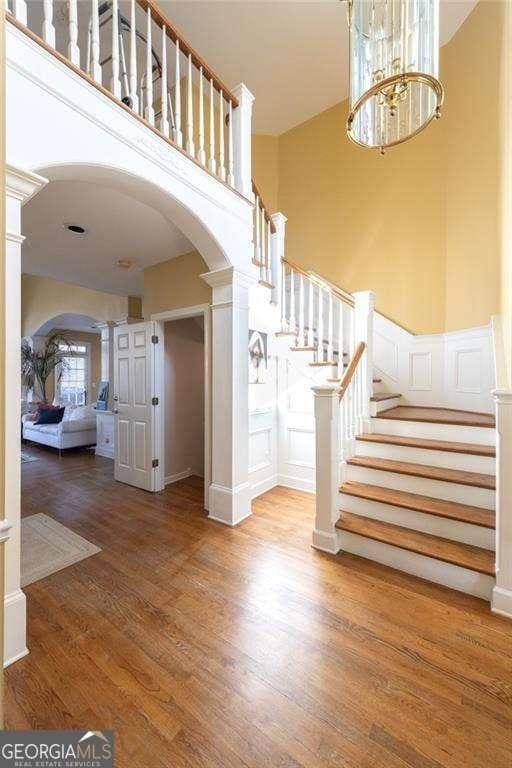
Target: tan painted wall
[(420, 226), (175, 283), (43, 298)]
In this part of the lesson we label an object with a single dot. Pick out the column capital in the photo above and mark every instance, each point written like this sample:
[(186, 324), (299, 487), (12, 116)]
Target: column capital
[(243, 95), (22, 184), (279, 219), (219, 278)]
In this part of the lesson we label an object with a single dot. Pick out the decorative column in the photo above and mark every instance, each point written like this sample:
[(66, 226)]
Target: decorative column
[(364, 303), (20, 186), (242, 140), (277, 254), (327, 418), (107, 357), (230, 491)]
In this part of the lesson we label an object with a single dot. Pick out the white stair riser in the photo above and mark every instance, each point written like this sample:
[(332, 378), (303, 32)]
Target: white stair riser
[(451, 432), (384, 405), (437, 489), (378, 386), (452, 576), (446, 459), (420, 521)]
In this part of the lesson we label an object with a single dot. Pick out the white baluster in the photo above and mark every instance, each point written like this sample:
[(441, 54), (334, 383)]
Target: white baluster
[(269, 254), (320, 326), (231, 176), (20, 10), (311, 319), (340, 340), (115, 83), (201, 154), (301, 310), (292, 325), (257, 247), (73, 49), (149, 112), (283, 296), (48, 28), (95, 42), (263, 243), (221, 169), (164, 120), (212, 165), (178, 136), (133, 59), (330, 331), (190, 110)]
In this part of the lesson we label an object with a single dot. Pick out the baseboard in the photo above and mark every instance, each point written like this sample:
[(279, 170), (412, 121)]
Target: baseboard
[(296, 483), (15, 627), (262, 486), (501, 602), (229, 506), (326, 542), (178, 476)]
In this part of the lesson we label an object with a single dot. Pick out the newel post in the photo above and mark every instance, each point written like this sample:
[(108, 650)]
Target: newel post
[(276, 255), (327, 428), (364, 303), (242, 140), (502, 592)]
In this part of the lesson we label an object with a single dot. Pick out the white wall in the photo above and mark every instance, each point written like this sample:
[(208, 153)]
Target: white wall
[(184, 398), (452, 369)]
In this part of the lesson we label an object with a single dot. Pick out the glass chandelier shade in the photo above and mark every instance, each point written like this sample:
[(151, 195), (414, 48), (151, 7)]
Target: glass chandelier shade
[(394, 66)]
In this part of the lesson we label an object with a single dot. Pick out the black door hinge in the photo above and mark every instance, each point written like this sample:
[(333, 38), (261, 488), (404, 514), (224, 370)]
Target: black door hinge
[(155, 463), (154, 339), (154, 401)]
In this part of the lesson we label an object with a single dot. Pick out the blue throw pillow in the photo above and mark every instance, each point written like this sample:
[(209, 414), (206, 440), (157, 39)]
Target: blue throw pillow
[(50, 416)]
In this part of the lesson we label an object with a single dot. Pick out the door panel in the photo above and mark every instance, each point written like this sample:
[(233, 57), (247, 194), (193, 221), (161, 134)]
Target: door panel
[(135, 415)]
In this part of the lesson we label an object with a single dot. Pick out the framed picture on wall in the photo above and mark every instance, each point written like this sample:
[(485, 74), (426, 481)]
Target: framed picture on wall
[(102, 400), (258, 357)]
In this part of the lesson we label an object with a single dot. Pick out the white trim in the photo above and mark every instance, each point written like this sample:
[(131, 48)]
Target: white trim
[(262, 486), (5, 527), (196, 310), (169, 479), (14, 627)]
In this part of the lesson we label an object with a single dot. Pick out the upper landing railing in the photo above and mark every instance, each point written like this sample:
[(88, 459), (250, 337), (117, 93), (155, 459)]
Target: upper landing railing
[(132, 52)]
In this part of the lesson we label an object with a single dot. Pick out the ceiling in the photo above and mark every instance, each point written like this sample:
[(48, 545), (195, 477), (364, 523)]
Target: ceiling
[(292, 54), (117, 227)]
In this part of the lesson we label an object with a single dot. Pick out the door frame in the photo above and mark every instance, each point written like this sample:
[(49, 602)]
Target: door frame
[(197, 310)]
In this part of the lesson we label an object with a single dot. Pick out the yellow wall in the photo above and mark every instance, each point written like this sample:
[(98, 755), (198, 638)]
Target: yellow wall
[(420, 226), (43, 299), (175, 283)]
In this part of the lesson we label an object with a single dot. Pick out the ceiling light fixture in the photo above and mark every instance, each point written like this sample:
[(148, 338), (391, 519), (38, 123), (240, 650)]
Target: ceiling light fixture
[(76, 229), (394, 67)]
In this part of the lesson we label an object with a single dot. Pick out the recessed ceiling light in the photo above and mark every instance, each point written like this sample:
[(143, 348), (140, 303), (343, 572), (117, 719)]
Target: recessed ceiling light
[(124, 263), (75, 228)]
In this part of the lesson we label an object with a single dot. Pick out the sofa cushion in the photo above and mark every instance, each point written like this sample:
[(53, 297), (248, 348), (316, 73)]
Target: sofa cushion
[(82, 425), (82, 412), (49, 429)]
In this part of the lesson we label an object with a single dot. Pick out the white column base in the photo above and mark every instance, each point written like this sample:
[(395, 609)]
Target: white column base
[(230, 505), (326, 542), (15, 617), (501, 602)]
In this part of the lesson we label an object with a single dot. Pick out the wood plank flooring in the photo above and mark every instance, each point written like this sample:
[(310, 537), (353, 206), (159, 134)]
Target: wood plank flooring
[(212, 647)]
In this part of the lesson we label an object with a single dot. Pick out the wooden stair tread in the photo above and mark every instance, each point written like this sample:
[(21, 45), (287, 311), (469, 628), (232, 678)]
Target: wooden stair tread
[(303, 349), (324, 363), (454, 552), (380, 396), (377, 381), (430, 445), (476, 479), (266, 284), (438, 416), (451, 510)]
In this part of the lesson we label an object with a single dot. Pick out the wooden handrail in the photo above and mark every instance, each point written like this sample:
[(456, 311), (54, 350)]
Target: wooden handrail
[(325, 284), (349, 373), (161, 20)]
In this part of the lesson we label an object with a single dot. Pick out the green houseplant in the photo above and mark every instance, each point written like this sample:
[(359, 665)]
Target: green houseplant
[(37, 365)]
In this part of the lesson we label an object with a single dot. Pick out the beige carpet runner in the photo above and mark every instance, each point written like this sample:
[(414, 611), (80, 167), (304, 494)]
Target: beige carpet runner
[(47, 547)]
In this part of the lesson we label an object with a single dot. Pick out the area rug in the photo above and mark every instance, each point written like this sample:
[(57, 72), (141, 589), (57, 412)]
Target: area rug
[(47, 547), (28, 457)]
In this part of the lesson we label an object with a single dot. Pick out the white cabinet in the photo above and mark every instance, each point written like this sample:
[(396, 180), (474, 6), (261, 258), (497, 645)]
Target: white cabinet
[(105, 434)]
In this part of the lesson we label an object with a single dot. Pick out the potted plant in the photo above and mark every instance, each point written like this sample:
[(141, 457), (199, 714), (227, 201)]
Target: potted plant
[(37, 365)]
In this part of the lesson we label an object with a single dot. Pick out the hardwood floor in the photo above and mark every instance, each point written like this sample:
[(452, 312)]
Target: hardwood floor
[(213, 647)]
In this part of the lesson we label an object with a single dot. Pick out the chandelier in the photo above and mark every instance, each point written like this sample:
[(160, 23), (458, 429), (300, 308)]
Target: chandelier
[(394, 65)]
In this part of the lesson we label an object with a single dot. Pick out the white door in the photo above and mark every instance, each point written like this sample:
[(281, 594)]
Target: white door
[(135, 404)]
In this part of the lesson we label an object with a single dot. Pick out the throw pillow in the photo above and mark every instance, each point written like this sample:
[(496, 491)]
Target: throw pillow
[(50, 415)]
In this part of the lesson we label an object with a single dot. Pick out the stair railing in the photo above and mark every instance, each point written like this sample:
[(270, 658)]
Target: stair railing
[(264, 229), (140, 60)]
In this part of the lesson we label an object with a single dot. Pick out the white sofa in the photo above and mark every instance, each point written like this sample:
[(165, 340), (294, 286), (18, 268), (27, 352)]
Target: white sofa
[(77, 428)]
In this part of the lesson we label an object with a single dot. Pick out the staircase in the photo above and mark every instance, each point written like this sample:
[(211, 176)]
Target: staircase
[(408, 486)]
